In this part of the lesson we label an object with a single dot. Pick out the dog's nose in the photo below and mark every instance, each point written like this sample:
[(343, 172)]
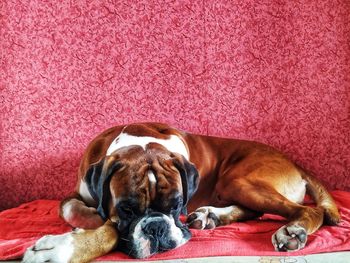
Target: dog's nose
[(155, 225)]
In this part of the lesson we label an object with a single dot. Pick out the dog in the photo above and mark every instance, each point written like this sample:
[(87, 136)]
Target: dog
[(135, 180)]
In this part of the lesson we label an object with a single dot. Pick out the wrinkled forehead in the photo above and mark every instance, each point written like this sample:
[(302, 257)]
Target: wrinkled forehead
[(147, 180)]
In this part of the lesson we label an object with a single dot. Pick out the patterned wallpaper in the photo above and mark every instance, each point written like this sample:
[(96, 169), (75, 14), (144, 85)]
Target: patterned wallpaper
[(274, 71)]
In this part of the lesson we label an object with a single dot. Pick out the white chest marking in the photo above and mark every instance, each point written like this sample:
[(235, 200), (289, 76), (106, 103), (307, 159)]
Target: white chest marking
[(173, 144)]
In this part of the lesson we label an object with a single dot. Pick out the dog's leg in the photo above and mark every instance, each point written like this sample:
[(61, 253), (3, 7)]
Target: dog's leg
[(263, 197), (208, 217), (76, 213), (74, 247), (293, 236)]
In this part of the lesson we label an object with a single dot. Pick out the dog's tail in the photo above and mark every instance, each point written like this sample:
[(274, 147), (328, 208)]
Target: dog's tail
[(322, 198)]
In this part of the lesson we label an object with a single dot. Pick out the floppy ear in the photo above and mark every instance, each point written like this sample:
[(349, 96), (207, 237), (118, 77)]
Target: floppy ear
[(189, 178), (97, 179)]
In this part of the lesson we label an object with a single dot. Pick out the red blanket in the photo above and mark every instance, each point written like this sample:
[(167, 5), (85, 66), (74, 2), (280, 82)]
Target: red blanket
[(21, 227)]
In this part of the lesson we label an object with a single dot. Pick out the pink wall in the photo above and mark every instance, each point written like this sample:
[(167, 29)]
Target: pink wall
[(273, 71)]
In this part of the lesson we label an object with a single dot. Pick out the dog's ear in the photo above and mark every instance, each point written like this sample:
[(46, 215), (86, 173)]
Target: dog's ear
[(189, 178), (98, 178)]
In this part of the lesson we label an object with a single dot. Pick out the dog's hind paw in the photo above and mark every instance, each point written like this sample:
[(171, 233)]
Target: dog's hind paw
[(289, 238)]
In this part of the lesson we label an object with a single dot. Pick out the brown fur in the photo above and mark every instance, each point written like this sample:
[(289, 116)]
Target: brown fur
[(89, 243), (251, 175)]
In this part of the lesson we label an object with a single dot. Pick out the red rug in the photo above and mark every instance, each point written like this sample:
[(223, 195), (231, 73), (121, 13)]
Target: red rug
[(22, 226)]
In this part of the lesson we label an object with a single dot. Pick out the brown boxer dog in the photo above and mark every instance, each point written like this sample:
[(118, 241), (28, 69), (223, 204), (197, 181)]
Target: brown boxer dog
[(134, 181)]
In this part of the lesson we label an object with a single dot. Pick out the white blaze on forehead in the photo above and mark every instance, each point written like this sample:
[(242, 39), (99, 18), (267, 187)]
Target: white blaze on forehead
[(151, 177), (173, 144), (152, 183)]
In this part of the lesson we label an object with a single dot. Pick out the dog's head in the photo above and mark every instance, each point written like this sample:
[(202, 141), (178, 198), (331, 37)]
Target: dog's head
[(144, 192)]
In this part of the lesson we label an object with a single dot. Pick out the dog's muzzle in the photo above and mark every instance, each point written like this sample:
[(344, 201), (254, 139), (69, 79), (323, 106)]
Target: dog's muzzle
[(154, 233)]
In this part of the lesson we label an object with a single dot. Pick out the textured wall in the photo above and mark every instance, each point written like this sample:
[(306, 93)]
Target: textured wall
[(273, 71)]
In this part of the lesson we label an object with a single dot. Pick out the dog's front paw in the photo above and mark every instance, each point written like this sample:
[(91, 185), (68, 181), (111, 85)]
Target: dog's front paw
[(203, 218), (289, 238), (51, 248)]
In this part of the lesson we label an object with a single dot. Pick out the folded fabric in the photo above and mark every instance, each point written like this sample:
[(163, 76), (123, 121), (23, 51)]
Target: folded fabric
[(20, 227)]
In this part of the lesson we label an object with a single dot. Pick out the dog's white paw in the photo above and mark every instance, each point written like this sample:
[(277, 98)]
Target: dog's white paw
[(51, 248), (205, 217)]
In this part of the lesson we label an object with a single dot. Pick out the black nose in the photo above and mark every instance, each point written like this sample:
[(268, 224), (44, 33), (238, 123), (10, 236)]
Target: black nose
[(155, 226)]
